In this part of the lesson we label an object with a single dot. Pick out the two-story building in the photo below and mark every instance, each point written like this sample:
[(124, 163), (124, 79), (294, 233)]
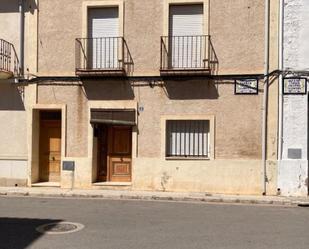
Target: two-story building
[(150, 95)]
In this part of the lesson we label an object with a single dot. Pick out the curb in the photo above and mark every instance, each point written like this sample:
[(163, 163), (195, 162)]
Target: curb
[(146, 197)]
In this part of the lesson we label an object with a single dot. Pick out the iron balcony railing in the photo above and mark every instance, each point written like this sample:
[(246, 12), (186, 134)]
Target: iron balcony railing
[(194, 52), (103, 54), (8, 58)]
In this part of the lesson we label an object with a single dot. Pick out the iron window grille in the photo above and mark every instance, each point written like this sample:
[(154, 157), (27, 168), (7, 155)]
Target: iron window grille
[(187, 138)]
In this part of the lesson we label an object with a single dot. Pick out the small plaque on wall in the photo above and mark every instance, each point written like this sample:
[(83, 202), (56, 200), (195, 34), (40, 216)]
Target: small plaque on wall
[(68, 165), (246, 86), (293, 85)]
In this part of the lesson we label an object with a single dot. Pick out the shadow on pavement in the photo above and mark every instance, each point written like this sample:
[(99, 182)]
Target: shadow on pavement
[(18, 233)]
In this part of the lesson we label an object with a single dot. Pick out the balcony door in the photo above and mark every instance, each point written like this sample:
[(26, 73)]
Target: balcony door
[(103, 33), (185, 36)]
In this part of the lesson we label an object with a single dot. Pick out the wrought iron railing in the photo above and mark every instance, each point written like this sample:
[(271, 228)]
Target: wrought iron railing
[(103, 54), (187, 53), (8, 58)]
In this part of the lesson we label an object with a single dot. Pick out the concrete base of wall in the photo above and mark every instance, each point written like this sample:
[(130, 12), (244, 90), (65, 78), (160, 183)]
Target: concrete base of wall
[(13, 172), (214, 176), (6, 182), (293, 177), (156, 174)]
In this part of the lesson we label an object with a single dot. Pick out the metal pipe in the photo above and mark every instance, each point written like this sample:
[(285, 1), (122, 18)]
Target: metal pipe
[(22, 36), (280, 114), (265, 96)]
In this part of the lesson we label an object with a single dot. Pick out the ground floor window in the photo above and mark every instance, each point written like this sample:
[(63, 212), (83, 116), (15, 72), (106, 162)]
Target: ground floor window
[(187, 138)]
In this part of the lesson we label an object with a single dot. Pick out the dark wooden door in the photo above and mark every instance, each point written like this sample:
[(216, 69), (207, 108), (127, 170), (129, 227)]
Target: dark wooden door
[(50, 150), (120, 153)]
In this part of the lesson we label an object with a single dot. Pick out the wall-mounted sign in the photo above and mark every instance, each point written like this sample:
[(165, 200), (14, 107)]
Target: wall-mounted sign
[(293, 85), (246, 86), (68, 165)]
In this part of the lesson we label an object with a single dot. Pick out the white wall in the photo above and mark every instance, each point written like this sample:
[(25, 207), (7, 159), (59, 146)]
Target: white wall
[(293, 173)]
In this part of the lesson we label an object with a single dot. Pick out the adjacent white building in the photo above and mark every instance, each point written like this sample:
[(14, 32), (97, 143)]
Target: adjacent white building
[(293, 121)]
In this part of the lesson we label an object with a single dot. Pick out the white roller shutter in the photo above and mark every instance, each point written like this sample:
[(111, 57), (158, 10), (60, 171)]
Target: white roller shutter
[(187, 138), (185, 31), (103, 28)]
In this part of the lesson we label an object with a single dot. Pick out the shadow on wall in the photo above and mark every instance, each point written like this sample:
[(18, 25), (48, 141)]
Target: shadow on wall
[(12, 6), (11, 97), (191, 89), (108, 90), (18, 233)]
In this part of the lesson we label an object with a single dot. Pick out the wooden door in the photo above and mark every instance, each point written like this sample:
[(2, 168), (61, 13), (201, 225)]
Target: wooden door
[(120, 153), (50, 150)]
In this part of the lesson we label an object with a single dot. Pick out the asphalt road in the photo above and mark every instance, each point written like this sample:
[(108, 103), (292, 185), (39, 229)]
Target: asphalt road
[(151, 225)]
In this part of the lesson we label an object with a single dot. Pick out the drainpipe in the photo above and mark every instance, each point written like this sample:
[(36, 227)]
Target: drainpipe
[(280, 123), (22, 36), (265, 96)]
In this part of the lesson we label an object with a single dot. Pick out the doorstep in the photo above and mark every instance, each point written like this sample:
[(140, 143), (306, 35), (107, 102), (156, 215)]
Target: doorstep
[(46, 184)]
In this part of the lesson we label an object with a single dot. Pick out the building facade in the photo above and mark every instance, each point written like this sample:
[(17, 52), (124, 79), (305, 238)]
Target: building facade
[(293, 166), (149, 95)]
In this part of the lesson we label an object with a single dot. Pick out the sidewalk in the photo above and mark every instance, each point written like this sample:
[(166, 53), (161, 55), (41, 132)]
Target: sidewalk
[(150, 195)]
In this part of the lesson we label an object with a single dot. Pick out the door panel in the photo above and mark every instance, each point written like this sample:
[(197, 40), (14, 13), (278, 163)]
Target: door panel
[(121, 141), (120, 154), (50, 150), (120, 169)]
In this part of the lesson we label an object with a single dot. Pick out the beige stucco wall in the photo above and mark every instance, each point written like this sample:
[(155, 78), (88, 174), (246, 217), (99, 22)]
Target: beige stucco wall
[(12, 122), (237, 117), (236, 167), (73, 96), (237, 29), (13, 130), (218, 176), (273, 100)]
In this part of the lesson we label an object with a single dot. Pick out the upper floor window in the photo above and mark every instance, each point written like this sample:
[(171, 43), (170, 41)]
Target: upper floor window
[(103, 35), (186, 20), (186, 40), (103, 50)]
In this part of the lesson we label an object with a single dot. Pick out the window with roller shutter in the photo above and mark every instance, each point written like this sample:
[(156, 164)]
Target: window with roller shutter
[(103, 31), (186, 36)]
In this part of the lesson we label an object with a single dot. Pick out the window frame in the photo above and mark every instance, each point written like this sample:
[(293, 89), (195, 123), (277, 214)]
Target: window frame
[(102, 4), (166, 14), (182, 147), (211, 136)]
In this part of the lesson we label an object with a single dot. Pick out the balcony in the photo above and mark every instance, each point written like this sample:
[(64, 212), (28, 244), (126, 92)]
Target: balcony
[(187, 56), (9, 64), (101, 57)]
